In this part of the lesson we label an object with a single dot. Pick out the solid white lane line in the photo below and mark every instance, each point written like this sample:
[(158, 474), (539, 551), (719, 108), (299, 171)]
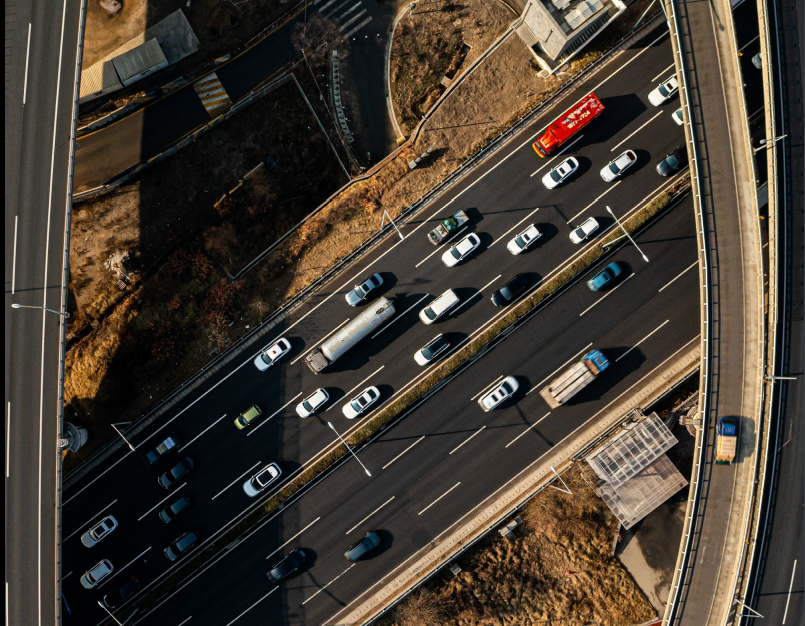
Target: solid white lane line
[(63, 577), (319, 342), (185, 621), (8, 438), (403, 452), (440, 248), (252, 606), (274, 414), (790, 587), (608, 293), (466, 440), (439, 498), (527, 429), (489, 386), (661, 73), (124, 567), (88, 522), (558, 154), (328, 584), (472, 297), (201, 433), (292, 538), (14, 258), (427, 295), (27, 58), (562, 366), (236, 480), (585, 209), (370, 515), (173, 493), (641, 341), (512, 228), (751, 41), (108, 469), (349, 393), (618, 145), (668, 284)]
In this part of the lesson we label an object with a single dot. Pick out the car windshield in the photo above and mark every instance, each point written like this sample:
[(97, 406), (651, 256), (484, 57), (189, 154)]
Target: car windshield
[(307, 405), (520, 241), (242, 420), (506, 388), (613, 167), (266, 357), (556, 176), (672, 161), (456, 254), (663, 91), (430, 314)]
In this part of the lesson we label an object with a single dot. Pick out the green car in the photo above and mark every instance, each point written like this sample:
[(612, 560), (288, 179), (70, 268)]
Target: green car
[(246, 418)]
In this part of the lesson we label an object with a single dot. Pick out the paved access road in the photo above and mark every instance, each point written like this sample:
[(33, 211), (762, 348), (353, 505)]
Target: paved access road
[(502, 197), (41, 42), (448, 458)]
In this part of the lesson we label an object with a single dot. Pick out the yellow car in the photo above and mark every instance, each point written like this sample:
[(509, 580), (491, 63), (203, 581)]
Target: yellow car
[(246, 418)]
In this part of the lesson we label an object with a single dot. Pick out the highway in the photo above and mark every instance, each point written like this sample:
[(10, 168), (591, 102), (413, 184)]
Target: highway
[(448, 457), (501, 197), (41, 43)]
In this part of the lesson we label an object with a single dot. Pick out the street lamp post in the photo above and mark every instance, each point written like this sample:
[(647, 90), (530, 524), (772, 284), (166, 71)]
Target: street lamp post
[(64, 314), (765, 144), (103, 606), (628, 236), (365, 469)]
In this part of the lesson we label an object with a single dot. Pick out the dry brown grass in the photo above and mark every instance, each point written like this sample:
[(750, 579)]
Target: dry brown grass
[(429, 44), (557, 570)]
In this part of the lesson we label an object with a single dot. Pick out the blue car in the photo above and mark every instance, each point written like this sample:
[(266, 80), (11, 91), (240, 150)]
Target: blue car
[(604, 277)]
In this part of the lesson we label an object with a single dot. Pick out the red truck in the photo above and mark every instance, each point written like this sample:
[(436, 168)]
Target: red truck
[(568, 124)]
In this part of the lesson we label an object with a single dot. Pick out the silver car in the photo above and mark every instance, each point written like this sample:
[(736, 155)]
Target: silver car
[(312, 403), (617, 166), (99, 531), (362, 291), (523, 241), (262, 479), (587, 228), (503, 391)]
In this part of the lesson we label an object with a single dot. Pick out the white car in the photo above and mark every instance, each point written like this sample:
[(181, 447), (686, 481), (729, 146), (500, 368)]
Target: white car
[(99, 531), (460, 251), (523, 241), (93, 577), (587, 228), (677, 116), (502, 392), (664, 91), (557, 175), (360, 403), (432, 350), (617, 166), (272, 354), (312, 403), (262, 479)]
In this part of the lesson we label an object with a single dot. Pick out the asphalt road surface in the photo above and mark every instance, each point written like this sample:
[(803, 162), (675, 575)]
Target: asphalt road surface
[(502, 197), (449, 457), (41, 42)]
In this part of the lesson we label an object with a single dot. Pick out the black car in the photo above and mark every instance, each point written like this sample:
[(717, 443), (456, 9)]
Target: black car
[(673, 162), (357, 550), (506, 294), (176, 473), (181, 546), (170, 444), (287, 566), (172, 510), (115, 598)]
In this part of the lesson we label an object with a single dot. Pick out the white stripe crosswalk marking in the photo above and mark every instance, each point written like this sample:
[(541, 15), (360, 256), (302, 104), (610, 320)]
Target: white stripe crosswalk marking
[(212, 94), (346, 24), (348, 11), (357, 28)]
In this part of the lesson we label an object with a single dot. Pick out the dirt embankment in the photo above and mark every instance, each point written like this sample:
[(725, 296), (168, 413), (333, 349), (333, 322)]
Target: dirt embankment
[(558, 569), (433, 44)]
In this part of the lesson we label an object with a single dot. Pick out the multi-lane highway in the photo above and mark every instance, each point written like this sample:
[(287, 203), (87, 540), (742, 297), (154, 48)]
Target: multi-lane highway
[(501, 197), (41, 43)]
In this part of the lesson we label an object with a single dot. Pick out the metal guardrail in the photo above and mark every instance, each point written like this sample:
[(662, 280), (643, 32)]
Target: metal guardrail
[(706, 324), (409, 212)]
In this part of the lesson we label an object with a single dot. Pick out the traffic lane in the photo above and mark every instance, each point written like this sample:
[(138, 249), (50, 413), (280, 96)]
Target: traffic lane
[(659, 46), (351, 507)]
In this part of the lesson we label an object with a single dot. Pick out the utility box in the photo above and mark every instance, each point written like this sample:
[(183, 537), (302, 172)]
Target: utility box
[(140, 62)]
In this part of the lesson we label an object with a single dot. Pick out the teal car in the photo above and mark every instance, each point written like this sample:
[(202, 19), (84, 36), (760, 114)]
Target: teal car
[(604, 277)]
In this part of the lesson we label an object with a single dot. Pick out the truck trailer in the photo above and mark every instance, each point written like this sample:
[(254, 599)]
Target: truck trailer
[(375, 315), (574, 379)]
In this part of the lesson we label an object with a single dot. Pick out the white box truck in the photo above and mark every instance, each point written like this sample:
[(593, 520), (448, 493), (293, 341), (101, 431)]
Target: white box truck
[(376, 314), (575, 379)]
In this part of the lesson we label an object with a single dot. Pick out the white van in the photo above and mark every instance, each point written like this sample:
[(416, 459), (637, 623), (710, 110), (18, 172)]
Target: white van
[(438, 307)]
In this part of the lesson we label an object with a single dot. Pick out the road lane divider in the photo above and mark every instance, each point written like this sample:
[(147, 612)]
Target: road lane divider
[(628, 137), (251, 607), (439, 498), (472, 297), (589, 206), (527, 430), (328, 584), (403, 452), (512, 228), (173, 493), (642, 340), (251, 469), (670, 282), (489, 386), (202, 432), (370, 515), (608, 293), (477, 432), (274, 414), (292, 538)]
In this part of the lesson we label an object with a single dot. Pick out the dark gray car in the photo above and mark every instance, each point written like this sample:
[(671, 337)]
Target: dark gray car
[(287, 566), (367, 544), (181, 546), (172, 510), (176, 473), (362, 291), (673, 162)]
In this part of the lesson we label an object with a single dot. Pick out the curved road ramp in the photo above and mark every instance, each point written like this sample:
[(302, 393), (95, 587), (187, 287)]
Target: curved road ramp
[(732, 309)]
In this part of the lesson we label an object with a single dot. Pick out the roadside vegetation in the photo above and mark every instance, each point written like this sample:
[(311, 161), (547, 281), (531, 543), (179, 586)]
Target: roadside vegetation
[(179, 309), (433, 44)]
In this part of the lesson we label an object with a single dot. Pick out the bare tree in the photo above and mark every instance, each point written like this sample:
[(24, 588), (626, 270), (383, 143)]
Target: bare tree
[(317, 38)]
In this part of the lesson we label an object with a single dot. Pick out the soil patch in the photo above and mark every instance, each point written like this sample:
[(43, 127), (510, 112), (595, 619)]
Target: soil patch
[(558, 569), (433, 44)]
